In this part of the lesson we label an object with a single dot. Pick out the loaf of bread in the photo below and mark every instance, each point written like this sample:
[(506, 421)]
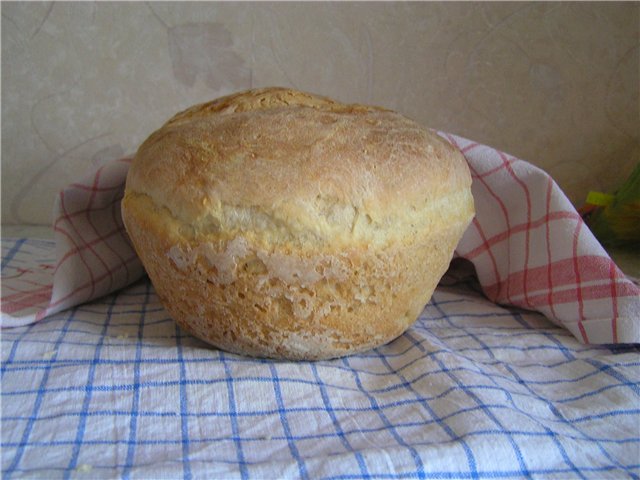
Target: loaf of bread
[(281, 224)]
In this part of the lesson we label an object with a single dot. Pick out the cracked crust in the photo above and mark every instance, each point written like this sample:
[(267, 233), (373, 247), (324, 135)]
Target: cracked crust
[(281, 224)]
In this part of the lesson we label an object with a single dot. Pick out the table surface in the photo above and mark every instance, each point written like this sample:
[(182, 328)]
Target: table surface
[(114, 388)]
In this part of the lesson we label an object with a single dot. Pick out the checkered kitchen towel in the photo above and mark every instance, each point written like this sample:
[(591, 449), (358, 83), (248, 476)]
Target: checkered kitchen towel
[(473, 390), (529, 246)]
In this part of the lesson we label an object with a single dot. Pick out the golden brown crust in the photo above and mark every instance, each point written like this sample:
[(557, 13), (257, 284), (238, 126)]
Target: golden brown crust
[(297, 164), (278, 223)]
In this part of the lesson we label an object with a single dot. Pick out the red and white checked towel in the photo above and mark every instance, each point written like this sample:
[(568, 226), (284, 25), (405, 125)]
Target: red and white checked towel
[(93, 254), (529, 246)]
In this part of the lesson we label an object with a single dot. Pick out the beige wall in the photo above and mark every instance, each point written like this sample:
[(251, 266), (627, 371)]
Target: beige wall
[(553, 83)]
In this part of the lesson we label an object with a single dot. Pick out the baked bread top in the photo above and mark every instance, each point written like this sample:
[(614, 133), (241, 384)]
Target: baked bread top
[(292, 167)]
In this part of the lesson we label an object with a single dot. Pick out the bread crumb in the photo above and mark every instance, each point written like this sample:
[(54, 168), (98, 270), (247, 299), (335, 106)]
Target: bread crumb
[(48, 355), (84, 468)]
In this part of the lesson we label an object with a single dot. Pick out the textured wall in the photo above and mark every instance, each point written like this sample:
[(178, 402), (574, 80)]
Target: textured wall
[(554, 83)]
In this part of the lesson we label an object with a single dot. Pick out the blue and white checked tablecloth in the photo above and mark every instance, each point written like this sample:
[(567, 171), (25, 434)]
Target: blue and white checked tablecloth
[(113, 389)]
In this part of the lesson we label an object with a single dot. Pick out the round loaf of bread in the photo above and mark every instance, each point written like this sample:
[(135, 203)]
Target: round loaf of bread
[(280, 224)]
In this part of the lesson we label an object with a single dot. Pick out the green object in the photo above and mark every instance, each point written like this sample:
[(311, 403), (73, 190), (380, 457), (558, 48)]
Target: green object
[(600, 199), (617, 222)]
